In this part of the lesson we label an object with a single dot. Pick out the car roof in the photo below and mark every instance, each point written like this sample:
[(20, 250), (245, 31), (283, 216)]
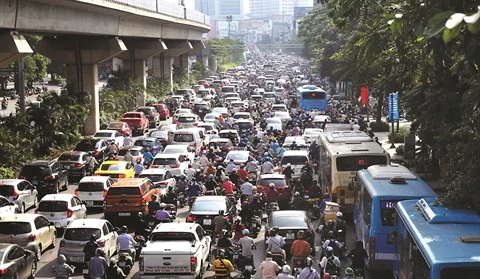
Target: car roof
[(134, 147), (167, 155), (12, 181), (242, 113), (102, 179), (228, 131), (86, 223), (154, 171), (168, 227), (21, 217), (57, 197), (211, 198), (295, 153), (147, 138), (272, 175), (129, 182), (74, 152), (239, 152), (219, 140), (284, 213)]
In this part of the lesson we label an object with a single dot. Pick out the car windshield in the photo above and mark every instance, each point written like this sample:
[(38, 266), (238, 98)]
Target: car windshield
[(168, 128), (146, 111), (68, 157), (15, 227), (53, 206), (180, 111), (210, 116), (81, 234), (110, 167), (159, 134), (186, 119), (86, 145), (206, 127), (153, 177), (309, 132), (183, 137), (237, 104), (115, 126), (103, 135), (220, 110), (241, 116), (200, 106), (119, 191), (164, 161), (90, 186), (296, 140), (131, 115), (147, 143), (294, 160), (274, 126), (237, 157), (133, 152), (7, 190), (269, 95), (174, 149), (279, 182), (210, 206), (289, 222), (172, 236), (35, 171), (274, 120)]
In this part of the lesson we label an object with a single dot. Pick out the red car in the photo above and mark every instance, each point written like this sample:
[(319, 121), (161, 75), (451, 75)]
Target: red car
[(121, 127), (280, 185), (163, 111)]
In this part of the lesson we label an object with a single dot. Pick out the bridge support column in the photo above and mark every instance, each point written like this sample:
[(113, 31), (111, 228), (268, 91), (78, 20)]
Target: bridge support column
[(167, 58), (135, 61), (12, 48), (82, 55)]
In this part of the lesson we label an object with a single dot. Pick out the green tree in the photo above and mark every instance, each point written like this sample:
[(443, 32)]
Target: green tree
[(35, 68), (228, 53)]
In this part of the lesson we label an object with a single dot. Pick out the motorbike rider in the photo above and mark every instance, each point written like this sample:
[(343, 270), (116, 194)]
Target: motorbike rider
[(251, 166), (300, 248), (332, 242), (194, 190), (285, 274), (153, 206), (220, 173), (255, 204), (329, 263), (330, 226), (272, 193), (238, 228), (313, 148), (246, 189), (196, 165), (62, 270), (288, 172), (210, 169), (228, 186), (128, 157), (182, 184), (294, 146), (147, 157), (269, 268), (221, 222), (358, 255), (126, 242), (112, 149), (98, 264), (211, 156), (211, 184), (308, 272), (246, 213), (267, 167), (127, 141), (234, 177), (222, 266), (91, 163), (242, 173), (114, 271), (170, 197), (265, 157), (203, 161), (348, 273), (247, 244), (90, 248), (341, 224), (298, 202), (230, 166), (275, 243), (162, 215)]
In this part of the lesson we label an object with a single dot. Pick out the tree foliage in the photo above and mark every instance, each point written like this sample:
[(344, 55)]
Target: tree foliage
[(428, 51), (228, 53)]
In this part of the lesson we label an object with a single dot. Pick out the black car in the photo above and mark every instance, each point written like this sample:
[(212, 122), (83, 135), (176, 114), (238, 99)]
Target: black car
[(48, 176), (289, 222), (17, 262), (75, 162), (206, 208), (99, 148), (201, 109)]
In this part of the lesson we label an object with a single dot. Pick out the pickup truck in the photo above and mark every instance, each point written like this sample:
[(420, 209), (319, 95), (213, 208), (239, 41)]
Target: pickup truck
[(137, 121), (175, 250)]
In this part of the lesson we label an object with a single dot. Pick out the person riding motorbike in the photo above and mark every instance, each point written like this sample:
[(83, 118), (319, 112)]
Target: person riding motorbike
[(285, 274), (234, 177), (294, 146), (255, 204), (329, 263), (231, 165), (288, 172), (224, 242), (330, 226), (242, 173), (358, 255), (269, 268), (221, 222), (300, 248), (272, 193), (298, 202), (162, 215), (220, 173), (210, 170), (126, 242), (246, 213), (275, 243), (98, 264), (90, 248), (222, 266), (170, 197), (332, 242), (182, 184), (308, 272), (113, 149), (341, 225), (348, 273), (267, 167), (265, 157), (246, 243), (194, 189), (238, 228), (153, 206), (246, 189), (228, 186), (62, 270), (211, 184), (91, 163), (211, 156), (114, 271)]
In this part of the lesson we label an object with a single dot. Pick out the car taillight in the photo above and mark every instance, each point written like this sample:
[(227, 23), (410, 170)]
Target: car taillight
[(372, 247), (3, 271), (62, 243), (140, 263), (96, 174), (32, 237), (75, 192), (193, 263), (121, 175), (21, 177), (69, 213), (193, 144), (105, 193), (36, 211), (191, 219), (101, 242), (195, 124), (50, 177), (78, 165)]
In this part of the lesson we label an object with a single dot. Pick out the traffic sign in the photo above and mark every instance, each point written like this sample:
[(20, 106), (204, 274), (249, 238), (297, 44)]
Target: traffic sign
[(393, 111)]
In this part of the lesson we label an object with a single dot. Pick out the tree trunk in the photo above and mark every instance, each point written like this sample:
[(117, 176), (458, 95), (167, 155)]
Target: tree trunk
[(380, 107)]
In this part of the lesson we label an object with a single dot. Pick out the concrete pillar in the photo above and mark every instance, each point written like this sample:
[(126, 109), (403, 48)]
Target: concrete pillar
[(203, 59), (167, 70), (175, 49), (12, 48), (117, 64), (181, 61), (139, 68)]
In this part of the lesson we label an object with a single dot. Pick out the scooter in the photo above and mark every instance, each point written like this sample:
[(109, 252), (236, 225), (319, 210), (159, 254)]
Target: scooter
[(298, 265), (125, 262), (140, 239)]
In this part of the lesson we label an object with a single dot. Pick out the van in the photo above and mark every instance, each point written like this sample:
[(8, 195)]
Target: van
[(128, 198), (297, 159), (190, 137)]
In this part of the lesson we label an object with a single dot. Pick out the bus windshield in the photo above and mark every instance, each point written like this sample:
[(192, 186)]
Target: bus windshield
[(313, 95), (356, 163)]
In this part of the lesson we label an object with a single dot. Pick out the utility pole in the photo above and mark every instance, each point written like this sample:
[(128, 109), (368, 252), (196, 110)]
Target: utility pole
[(229, 20)]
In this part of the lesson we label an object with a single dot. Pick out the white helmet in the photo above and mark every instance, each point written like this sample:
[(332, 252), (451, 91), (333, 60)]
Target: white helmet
[(238, 218), (286, 269), (339, 214), (289, 165), (245, 232), (163, 205)]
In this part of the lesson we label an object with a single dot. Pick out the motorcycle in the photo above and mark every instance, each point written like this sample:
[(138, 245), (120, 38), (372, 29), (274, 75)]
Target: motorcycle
[(181, 199), (140, 239), (125, 262), (278, 258), (298, 265), (172, 210)]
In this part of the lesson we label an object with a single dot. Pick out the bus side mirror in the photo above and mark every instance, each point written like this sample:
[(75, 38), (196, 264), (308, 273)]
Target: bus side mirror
[(351, 186), (391, 237)]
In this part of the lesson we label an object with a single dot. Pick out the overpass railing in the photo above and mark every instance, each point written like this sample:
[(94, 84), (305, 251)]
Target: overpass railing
[(170, 9)]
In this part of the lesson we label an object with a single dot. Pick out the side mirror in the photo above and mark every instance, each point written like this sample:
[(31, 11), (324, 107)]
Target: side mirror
[(51, 224), (351, 186), (11, 203)]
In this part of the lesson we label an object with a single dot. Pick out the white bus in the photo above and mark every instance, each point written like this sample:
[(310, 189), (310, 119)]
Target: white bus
[(339, 163)]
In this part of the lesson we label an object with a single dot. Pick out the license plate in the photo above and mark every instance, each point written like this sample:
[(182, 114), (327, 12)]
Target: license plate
[(290, 235), (124, 214), (121, 264), (254, 225), (85, 271), (89, 202), (207, 221)]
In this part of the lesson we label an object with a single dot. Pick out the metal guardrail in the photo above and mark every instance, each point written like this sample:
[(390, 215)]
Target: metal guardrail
[(171, 9)]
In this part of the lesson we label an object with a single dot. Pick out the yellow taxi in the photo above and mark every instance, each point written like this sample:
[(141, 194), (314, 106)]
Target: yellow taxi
[(116, 170)]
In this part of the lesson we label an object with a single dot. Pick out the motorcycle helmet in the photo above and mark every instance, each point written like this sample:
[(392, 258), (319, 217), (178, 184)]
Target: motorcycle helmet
[(329, 251), (234, 170), (271, 185), (289, 165), (93, 238), (308, 261), (330, 234), (246, 232), (348, 271), (221, 212), (210, 176), (238, 219), (124, 229), (226, 178), (339, 214), (286, 269), (297, 194), (327, 276), (274, 231), (245, 204), (268, 255), (254, 189), (224, 232), (163, 205), (221, 253)]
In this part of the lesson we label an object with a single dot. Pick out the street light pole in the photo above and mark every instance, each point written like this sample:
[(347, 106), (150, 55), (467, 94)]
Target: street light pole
[(229, 20)]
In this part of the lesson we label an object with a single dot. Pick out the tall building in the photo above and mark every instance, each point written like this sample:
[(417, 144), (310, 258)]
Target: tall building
[(220, 8), (263, 9), (208, 7)]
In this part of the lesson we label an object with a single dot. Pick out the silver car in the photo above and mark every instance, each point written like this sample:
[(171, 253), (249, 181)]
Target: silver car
[(61, 209), (21, 192)]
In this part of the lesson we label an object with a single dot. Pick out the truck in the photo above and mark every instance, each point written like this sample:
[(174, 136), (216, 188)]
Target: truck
[(137, 121), (175, 250)]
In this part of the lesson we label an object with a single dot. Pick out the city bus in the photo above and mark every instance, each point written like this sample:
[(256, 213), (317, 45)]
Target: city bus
[(339, 163), (313, 97), (432, 241), (377, 190)]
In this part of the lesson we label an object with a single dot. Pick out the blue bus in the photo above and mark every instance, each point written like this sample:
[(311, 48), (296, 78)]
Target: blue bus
[(377, 190), (432, 241), (312, 97)]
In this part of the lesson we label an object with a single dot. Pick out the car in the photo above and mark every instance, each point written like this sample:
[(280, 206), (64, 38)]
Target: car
[(160, 135), (280, 182), (300, 141), (198, 87), (187, 121), (209, 127), (135, 151), (297, 159), (289, 222), (176, 163), (225, 134), (274, 120), (178, 98), (152, 114), (153, 144), (220, 110), (161, 178), (279, 107), (116, 169), (274, 127), (110, 136), (163, 111), (7, 207), (30, 231), (137, 120), (221, 146), (239, 157), (210, 117), (75, 162), (205, 208), (98, 147), (179, 112), (283, 115), (19, 191), (201, 108), (237, 106), (121, 127), (92, 190), (15, 262), (61, 209), (320, 119), (206, 94), (78, 233), (187, 93), (242, 115), (312, 134), (245, 125), (270, 97), (254, 99), (48, 176)]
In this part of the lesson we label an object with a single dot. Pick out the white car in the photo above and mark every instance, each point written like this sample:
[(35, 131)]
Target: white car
[(61, 209), (242, 115), (178, 148), (312, 134), (225, 135), (209, 127), (254, 99), (270, 97), (273, 120), (238, 156), (7, 207), (110, 136), (179, 112), (92, 190), (320, 118), (300, 141), (175, 163), (187, 121), (135, 151), (210, 117), (78, 233), (21, 192), (236, 106), (279, 107), (220, 110), (161, 178), (283, 115), (274, 127)]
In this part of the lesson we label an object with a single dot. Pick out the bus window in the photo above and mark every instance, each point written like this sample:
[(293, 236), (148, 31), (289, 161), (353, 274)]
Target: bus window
[(461, 272), (367, 207), (387, 211), (313, 95), (356, 163)]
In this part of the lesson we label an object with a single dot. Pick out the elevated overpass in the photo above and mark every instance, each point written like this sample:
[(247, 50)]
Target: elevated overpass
[(83, 33)]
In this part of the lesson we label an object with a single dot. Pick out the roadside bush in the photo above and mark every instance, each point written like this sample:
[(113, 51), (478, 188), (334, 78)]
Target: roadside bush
[(7, 173), (379, 126), (400, 150), (400, 136)]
